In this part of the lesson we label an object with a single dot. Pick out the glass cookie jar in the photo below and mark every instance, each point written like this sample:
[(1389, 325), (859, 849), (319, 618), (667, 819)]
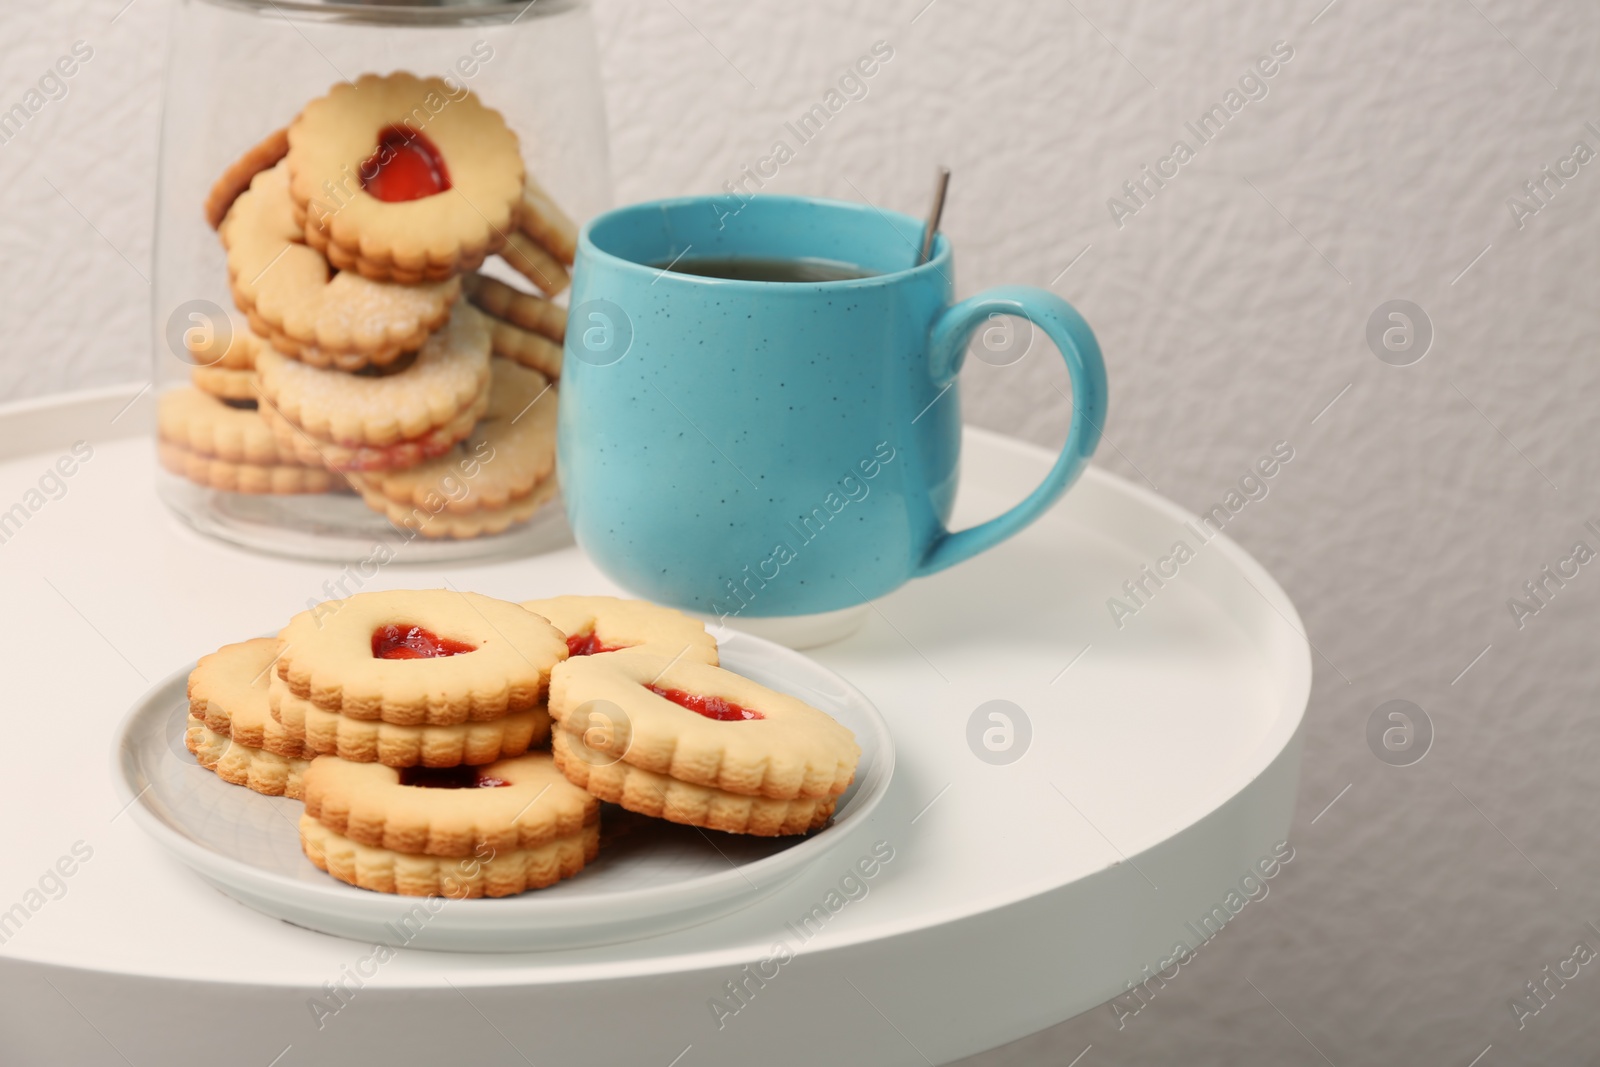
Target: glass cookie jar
[(364, 217)]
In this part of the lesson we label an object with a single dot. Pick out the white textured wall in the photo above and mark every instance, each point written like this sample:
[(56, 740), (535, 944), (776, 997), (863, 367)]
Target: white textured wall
[(1232, 310)]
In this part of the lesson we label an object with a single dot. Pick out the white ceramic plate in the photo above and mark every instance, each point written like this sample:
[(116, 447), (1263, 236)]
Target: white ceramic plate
[(650, 877)]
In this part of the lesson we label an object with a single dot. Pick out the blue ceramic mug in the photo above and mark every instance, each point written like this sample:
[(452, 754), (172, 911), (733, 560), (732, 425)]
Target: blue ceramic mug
[(752, 449)]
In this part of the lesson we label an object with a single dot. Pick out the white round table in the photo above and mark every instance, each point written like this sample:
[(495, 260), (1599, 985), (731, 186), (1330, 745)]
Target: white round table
[(1160, 771)]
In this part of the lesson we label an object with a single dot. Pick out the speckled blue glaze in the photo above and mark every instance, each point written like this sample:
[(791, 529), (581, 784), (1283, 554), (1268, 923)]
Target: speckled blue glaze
[(781, 448)]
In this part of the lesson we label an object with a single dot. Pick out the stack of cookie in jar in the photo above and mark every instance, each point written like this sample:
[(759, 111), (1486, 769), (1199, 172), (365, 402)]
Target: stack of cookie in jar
[(377, 357), (447, 743)]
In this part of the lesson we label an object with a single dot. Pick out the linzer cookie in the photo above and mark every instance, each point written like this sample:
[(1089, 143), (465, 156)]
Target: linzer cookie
[(434, 657), (374, 741), (403, 178), (283, 286), (661, 796), (531, 260), (214, 473), (435, 522), (233, 349), (495, 830), (309, 449), (229, 447), (633, 727), (230, 730), (532, 350), (595, 625), (237, 178), (542, 219), (225, 383), (522, 327), (384, 419), (201, 423), (490, 474), (524, 310)]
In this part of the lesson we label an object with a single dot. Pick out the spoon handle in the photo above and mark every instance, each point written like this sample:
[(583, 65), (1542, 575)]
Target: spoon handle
[(941, 183)]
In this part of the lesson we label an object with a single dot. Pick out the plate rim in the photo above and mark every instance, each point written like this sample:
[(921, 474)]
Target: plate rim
[(339, 899)]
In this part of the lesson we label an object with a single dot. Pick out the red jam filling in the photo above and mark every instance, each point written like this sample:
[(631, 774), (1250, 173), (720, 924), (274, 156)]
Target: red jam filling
[(413, 642), (405, 166), (711, 707), (590, 645), (449, 778)]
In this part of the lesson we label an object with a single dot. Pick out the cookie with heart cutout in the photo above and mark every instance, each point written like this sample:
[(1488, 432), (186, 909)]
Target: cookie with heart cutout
[(230, 729), (389, 417), (420, 657), (526, 311), (437, 523), (531, 260), (495, 830), (240, 173), (542, 219), (224, 383), (541, 248), (597, 625), (286, 290), (509, 455), (258, 770), (661, 796), (347, 459), (405, 179), (234, 348), (199, 422), (524, 328), (255, 479), (532, 350), (329, 733), (632, 726), (226, 445)]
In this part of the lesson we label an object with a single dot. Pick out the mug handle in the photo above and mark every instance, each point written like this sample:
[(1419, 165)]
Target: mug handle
[(1076, 342)]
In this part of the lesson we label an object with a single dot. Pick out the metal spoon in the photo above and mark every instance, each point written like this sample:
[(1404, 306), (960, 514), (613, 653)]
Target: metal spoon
[(940, 184)]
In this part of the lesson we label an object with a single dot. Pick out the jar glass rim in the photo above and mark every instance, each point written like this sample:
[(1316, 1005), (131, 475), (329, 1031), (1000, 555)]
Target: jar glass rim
[(404, 12)]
